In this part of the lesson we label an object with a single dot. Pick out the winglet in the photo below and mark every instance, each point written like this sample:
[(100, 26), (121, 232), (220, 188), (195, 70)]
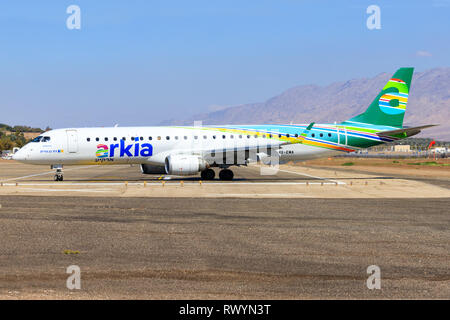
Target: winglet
[(305, 132)]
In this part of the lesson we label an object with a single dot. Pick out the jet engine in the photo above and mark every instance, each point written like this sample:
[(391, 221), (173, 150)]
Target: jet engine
[(268, 159), (149, 169), (184, 165)]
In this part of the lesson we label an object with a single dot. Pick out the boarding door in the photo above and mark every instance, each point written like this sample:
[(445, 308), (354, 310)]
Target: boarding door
[(338, 135), (72, 141), (341, 135), (345, 133)]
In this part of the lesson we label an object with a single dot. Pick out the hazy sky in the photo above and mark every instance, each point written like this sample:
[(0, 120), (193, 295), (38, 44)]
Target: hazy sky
[(141, 62)]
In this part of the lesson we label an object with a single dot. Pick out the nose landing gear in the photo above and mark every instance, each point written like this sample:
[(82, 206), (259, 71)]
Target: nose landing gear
[(59, 173)]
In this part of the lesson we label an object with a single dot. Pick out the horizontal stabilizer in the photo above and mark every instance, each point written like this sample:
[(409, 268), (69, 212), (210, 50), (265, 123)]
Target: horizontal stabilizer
[(406, 132)]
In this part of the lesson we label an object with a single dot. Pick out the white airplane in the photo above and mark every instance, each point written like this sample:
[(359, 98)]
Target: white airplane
[(193, 150), (159, 150)]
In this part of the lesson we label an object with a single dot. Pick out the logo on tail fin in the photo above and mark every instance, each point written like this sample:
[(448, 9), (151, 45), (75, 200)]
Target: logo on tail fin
[(395, 97)]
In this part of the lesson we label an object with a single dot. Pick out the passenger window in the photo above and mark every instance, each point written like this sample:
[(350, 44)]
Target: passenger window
[(195, 137), (176, 137), (159, 138), (115, 138), (106, 139), (296, 135), (223, 136), (329, 135), (264, 136), (256, 136), (185, 137), (167, 138), (204, 137), (240, 136), (321, 135), (97, 139), (141, 138), (132, 138), (123, 138), (287, 136), (150, 138), (88, 139), (214, 137), (313, 135), (231, 136), (270, 135)]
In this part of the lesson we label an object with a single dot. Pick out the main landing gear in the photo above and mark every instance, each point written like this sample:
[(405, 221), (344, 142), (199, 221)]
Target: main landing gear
[(224, 174), (208, 174), (59, 173)]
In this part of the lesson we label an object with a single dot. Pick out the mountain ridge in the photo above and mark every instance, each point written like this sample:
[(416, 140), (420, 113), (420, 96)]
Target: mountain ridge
[(428, 103)]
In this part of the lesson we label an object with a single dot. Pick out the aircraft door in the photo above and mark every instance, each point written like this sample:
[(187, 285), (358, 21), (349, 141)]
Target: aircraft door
[(72, 141), (338, 135), (342, 135)]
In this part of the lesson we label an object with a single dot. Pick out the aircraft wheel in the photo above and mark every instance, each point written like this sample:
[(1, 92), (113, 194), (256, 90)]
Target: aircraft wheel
[(208, 174), (226, 174), (58, 177)]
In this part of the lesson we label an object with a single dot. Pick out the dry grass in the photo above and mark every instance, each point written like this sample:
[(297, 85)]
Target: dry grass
[(438, 163), (439, 168)]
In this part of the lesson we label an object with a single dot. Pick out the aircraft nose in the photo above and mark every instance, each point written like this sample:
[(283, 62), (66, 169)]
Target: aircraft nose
[(19, 155)]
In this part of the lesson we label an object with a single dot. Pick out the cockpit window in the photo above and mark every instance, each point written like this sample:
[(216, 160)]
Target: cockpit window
[(37, 139), (45, 139)]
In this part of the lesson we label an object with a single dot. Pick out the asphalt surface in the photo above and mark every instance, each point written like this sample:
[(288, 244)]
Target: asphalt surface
[(120, 173), (223, 248)]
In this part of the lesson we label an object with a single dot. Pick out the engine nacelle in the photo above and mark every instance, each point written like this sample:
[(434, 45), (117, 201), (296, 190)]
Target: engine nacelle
[(149, 169), (263, 157), (266, 159), (184, 165)]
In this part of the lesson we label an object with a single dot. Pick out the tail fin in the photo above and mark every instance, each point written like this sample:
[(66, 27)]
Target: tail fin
[(388, 108)]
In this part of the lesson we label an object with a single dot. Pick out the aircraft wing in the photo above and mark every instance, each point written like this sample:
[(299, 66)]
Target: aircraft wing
[(253, 152)]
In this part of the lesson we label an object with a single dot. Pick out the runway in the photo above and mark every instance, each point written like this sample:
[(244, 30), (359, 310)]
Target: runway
[(303, 233)]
